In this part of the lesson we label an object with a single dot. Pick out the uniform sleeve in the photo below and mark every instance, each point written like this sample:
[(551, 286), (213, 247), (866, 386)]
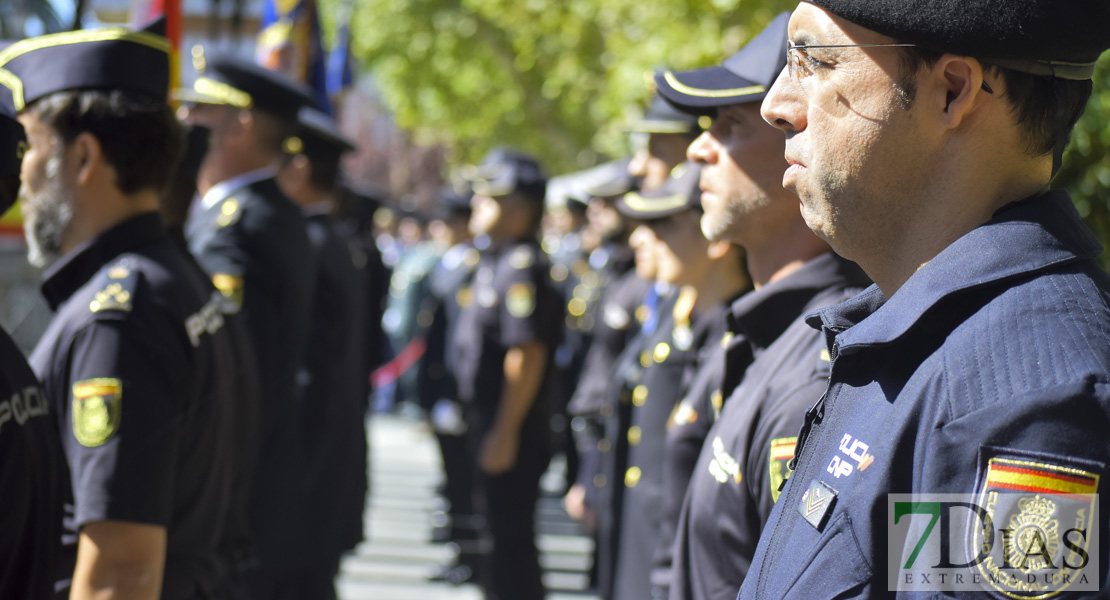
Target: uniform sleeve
[(125, 416), (528, 310)]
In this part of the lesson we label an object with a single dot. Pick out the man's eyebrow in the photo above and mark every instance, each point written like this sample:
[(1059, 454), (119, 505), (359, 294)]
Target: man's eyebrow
[(803, 38)]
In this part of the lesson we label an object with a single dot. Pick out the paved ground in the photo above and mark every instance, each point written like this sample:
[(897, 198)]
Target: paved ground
[(398, 556)]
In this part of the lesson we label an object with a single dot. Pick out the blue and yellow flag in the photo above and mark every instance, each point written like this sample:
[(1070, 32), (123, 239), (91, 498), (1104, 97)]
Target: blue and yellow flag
[(289, 42)]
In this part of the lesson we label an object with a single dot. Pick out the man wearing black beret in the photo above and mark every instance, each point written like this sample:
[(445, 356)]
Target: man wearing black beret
[(132, 364), (251, 240), (922, 136), (32, 471)]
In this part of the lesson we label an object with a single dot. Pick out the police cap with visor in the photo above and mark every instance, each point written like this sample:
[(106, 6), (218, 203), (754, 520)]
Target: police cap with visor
[(234, 82), (108, 58), (743, 77), (503, 172), (680, 192)]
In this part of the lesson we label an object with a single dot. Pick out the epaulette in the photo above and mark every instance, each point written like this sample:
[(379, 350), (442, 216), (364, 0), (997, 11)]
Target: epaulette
[(522, 257), (230, 211), (116, 285)]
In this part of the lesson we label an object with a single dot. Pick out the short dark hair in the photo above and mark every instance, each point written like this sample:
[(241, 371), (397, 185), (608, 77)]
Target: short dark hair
[(1033, 100), (139, 136), (271, 130), (324, 172)]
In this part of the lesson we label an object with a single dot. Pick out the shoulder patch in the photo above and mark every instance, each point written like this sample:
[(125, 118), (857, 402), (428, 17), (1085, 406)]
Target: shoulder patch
[(1046, 502), (520, 300), (116, 288), (231, 286), (230, 211), (522, 258), (96, 410), (782, 452)]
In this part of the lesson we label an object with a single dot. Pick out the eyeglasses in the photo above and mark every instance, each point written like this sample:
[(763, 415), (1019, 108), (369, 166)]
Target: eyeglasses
[(800, 64)]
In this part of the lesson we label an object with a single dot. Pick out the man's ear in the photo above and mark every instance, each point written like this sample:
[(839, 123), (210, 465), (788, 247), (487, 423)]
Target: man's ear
[(87, 157), (958, 84)]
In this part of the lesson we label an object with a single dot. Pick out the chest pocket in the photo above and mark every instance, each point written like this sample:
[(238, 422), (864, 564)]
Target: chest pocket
[(835, 568)]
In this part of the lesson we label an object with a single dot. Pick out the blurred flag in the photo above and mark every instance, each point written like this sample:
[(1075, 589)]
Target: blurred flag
[(289, 42), (340, 68), (145, 11)]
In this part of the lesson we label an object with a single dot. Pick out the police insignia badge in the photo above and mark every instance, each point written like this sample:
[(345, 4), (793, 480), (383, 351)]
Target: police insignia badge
[(118, 283), (782, 451), (229, 212), (520, 300), (231, 286), (96, 410), (1043, 516)]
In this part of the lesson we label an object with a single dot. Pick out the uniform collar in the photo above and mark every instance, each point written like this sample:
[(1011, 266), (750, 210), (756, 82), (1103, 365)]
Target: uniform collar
[(762, 315), (224, 188), (1034, 235), (72, 271)]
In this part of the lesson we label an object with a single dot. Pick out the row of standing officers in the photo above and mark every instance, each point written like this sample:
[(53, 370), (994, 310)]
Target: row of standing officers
[(698, 379), (195, 422)]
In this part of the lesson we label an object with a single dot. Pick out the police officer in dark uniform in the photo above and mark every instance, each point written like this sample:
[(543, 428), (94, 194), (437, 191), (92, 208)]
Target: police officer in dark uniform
[(130, 363), (660, 139), (449, 285), (237, 546), (772, 371), (252, 241), (620, 292), (333, 409), (32, 472), (708, 276), (355, 216), (504, 344), (978, 364)]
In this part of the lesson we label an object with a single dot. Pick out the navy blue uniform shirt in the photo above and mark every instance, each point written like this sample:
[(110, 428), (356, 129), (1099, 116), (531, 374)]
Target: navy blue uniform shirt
[(509, 303), (128, 365), (253, 243), (32, 481), (735, 481), (330, 388), (992, 357)]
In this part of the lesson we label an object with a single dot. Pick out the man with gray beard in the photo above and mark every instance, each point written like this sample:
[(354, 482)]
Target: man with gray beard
[(131, 364)]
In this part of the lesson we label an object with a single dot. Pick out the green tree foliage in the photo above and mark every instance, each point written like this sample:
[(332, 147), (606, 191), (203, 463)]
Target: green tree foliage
[(1086, 169), (554, 77), (559, 77)]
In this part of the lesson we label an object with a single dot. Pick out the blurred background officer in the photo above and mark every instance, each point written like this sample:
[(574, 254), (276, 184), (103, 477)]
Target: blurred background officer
[(333, 409), (973, 259), (252, 241), (449, 286), (772, 358), (32, 472), (659, 139), (612, 307), (708, 276), (505, 341), (237, 547), (130, 362)]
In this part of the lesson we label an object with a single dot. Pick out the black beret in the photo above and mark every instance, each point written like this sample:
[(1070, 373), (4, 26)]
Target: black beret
[(743, 77), (318, 137), (13, 143), (661, 117), (504, 171), (1042, 37), (679, 193), (108, 58), (243, 84)]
